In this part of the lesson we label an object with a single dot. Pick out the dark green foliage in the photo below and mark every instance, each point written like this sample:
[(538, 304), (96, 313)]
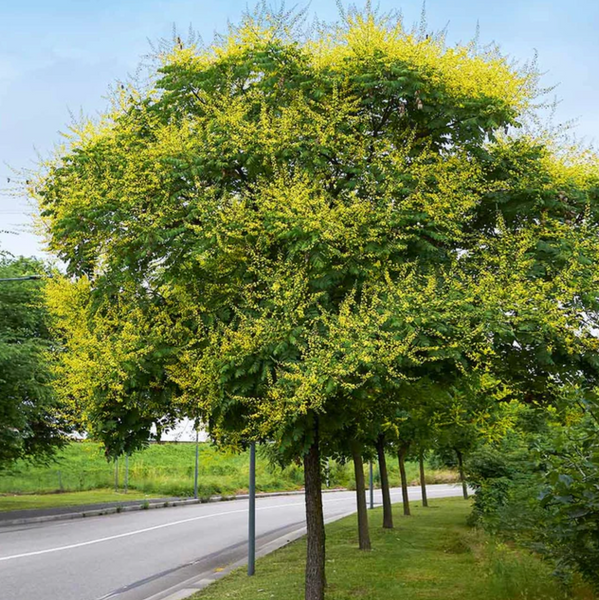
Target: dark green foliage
[(507, 484), (30, 425), (570, 500), (542, 488)]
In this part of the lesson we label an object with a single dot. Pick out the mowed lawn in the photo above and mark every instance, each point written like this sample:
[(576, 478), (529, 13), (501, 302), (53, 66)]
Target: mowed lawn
[(41, 501), (430, 555)]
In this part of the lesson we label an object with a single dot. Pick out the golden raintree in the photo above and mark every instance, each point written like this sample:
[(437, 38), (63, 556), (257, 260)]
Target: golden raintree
[(282, 226)]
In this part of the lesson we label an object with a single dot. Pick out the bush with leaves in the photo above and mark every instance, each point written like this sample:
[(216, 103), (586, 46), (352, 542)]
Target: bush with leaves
[(507, 484), (541, 488), (570, 498)]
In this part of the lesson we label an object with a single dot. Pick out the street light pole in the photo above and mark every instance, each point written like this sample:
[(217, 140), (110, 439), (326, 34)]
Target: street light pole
[(252, 513), (25, 278), (371, 486), (126, 473), (195, 477)]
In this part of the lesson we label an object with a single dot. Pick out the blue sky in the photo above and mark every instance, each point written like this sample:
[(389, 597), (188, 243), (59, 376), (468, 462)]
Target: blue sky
[(58, 56)]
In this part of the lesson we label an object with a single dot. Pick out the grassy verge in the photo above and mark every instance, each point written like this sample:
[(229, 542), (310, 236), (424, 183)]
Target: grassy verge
[(28, 501), (431, 555), (168, 469)]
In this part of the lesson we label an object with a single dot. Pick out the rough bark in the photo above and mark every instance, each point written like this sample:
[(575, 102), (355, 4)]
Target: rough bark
[(315, 558), (422, 478), (462, 476), (387, 512), (363, 533), (401, 456)]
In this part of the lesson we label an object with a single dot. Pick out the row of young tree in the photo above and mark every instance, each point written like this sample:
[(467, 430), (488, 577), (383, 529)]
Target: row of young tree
[(334, 241)]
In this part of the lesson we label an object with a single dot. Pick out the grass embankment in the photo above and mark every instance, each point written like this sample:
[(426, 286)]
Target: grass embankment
[(30, 501), (431, 555), (168, 469)]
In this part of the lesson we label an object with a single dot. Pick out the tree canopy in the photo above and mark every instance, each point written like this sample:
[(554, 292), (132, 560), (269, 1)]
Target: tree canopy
[(293, 226)]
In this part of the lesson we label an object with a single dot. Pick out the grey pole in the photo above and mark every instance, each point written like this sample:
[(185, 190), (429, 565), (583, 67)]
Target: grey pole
[(371, 486), (252, 513), (126, 473), (25, 278), (195, 477), (116, 474)]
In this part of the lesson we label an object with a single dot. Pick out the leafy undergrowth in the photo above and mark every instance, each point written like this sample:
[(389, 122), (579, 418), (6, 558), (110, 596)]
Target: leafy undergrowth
[(168, 470), (31, 501), (431, 555)]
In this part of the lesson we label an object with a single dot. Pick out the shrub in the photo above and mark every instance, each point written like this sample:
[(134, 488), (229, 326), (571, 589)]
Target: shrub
[(543, 489), (570, 499)]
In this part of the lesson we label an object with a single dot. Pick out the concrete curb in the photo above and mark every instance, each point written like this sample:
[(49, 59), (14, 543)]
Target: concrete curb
[(143, 505), (193, 585)]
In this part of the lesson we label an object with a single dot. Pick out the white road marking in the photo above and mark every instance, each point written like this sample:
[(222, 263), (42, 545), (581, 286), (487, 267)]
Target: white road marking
[(155, 527)]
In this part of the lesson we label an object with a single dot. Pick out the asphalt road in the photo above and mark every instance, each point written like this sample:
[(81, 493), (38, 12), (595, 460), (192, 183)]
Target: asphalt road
[(135, 556)]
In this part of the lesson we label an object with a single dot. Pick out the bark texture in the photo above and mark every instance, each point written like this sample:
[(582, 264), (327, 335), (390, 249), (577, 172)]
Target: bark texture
[(363, 533), (401, 456), (387, 512), (315, 559), (422, 479), (462, 476)]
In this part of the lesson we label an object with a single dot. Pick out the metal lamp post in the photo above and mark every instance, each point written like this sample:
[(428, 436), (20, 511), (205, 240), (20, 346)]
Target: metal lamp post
[(25, 278), (371, 486), (195, 475), (252, 513)]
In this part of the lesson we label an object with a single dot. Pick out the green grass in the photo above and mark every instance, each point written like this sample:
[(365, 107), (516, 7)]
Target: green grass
[(67, 499), (167, 470), (431, 555)]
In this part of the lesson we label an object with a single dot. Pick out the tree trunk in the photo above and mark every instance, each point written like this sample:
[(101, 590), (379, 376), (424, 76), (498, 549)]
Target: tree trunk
[(363, 533), (401, 455), (422, 479), (462, 477), (387, 513), (315, 558)]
